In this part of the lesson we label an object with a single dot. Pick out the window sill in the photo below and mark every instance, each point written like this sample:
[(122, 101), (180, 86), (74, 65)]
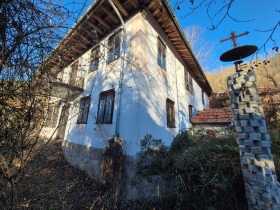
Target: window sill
[(98, 123), (171, 126)]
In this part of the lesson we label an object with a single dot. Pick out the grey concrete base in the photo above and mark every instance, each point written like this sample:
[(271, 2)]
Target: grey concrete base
[(134, 185), (87, 159)]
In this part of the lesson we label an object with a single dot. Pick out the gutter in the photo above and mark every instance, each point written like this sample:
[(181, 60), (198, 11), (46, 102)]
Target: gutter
[(117, 128), (170, 11)]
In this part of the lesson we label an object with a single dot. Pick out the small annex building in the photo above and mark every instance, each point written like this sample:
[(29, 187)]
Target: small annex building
[(214, 119), (125, 70)]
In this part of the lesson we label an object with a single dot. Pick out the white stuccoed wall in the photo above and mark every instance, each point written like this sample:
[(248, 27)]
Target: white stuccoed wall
[(145, 90)]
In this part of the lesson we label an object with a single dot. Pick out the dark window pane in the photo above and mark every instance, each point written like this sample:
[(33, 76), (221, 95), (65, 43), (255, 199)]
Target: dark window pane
[(161, 54), (101, 109), (106, 107), (114, 47), (94, 59), (170, 111), (84, 109)]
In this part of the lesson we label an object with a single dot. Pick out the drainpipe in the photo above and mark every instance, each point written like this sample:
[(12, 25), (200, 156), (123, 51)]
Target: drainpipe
[(117, 132)]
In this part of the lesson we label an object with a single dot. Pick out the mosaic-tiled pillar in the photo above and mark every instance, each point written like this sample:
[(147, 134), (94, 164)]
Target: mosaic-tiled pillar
[(262, 187)]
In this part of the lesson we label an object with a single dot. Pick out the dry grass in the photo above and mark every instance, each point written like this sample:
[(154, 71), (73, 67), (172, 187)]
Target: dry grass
[(50, 182)]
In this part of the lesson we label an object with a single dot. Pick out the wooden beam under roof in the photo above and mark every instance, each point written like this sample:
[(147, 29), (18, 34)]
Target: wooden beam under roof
[(65, 57), (168, 28), (182, 50), (161, 17), (175, 38), (100, 21), (94, 27), (120, 7), (89, 33), (172, 34), (166, 24), (83, 37), (151, 4), (158, 10), (77, 42), (177, 43), (110, 15), (74, 48), (134, 3)]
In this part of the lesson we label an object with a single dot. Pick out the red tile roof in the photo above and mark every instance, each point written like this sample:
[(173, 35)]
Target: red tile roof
[(213, 115)]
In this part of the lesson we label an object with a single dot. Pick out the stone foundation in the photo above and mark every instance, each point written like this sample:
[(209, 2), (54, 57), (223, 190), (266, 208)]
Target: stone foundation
[(132, 184), (262, 187), (87, 159)]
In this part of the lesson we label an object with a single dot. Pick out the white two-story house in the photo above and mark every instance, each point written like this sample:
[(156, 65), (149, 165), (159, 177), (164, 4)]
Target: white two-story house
[(125, 70)]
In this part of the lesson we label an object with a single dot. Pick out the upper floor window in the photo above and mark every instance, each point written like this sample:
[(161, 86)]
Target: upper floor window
[(161, 54), (84, 109), (170, 113), (188, 82), (94, 60), (106, 107), (114, 45), (74, 72)]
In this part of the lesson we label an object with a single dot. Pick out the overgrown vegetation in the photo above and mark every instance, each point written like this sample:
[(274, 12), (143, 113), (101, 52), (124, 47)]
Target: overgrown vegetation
[(204, 171), (275, 147)]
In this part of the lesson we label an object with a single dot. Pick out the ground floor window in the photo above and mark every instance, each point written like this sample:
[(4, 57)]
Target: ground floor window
[(170, 111), (190, 112), (106, 107)]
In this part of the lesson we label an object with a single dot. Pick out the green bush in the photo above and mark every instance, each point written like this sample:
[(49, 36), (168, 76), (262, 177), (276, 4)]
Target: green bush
[(205, 172), (275, 147)]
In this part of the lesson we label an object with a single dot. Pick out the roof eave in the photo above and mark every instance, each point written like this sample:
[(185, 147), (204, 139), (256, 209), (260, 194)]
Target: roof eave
[(174, 19)]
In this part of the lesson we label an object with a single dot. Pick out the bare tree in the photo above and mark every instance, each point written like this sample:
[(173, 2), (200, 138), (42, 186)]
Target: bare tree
[(29, 31), (203, 49)]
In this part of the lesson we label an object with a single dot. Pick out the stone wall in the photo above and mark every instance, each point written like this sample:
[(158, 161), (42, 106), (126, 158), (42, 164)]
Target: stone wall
[(262, 187), (128, 184)]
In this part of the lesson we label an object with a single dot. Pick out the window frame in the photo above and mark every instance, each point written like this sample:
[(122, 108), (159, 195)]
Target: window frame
[(161, 54), (52, 116), (190, 112), (94, 59), (74, 73), (113, 45), (101, 117), (202, 97), (170, 113), (188, 81), (83, 110)]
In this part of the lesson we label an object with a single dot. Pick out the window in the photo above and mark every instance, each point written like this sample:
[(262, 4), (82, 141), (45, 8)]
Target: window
[(170, 113), (52, 116), (114, 45), (161, 54), (202, 96), (188, 82), (106, 107), (74, 71), (84, 109), (94, 60), (190, 112)]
